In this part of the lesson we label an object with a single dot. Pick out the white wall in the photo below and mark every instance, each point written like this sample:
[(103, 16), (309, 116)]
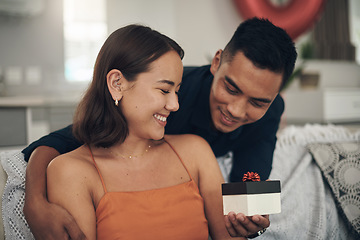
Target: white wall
[(33, 41), (201, 27)]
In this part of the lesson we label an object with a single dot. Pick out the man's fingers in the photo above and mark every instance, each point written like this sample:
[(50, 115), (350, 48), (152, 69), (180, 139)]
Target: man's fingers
[(73, 229), (237, 221), (229, 226), (244, 225), (262, 221), (241, 225), (39, 224)]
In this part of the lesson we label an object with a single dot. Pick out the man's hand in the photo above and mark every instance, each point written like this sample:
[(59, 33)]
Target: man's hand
[(49, 221), (241, 225)]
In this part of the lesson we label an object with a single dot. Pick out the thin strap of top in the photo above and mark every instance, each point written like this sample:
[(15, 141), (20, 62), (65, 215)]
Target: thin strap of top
[(179, 158), (102, 180)]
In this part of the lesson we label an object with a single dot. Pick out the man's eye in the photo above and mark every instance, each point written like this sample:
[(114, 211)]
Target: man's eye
[(230, 90), (164, 91), (255, 104)]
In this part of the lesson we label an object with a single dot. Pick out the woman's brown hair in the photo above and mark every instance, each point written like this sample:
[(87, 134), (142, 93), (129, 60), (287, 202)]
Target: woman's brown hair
[(131, 50)]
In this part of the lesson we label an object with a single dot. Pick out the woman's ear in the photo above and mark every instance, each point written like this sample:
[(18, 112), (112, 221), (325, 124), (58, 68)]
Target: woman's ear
[(215, 63), (114, 80)]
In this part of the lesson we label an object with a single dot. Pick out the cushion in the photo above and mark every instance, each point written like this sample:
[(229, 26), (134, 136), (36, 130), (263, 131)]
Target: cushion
[(308, 206), (340, 166), (13, 198)]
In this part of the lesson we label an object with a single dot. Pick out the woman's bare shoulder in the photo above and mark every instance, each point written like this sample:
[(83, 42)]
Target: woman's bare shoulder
[(190, 144), (74, 163), (186, 140)]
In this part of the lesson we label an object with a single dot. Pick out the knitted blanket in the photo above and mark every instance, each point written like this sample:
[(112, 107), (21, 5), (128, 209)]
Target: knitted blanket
[(309, 209), (15, 225)]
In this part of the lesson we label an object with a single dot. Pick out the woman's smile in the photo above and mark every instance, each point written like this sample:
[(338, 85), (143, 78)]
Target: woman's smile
[(161, 119)]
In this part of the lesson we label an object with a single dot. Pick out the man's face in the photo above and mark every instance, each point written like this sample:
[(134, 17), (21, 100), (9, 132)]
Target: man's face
[(241, 93)]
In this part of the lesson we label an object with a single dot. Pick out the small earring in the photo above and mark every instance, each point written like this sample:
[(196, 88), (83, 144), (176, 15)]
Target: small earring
[(118, 84), (116, 102)]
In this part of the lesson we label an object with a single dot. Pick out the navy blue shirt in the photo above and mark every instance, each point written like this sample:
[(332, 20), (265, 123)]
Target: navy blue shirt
[(252, 144)]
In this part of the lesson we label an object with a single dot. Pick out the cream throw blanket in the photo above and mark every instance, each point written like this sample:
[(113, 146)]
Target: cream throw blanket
[(308, 206)]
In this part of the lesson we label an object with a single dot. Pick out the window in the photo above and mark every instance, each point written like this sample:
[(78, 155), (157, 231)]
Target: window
[(85, 30), (354, 9)]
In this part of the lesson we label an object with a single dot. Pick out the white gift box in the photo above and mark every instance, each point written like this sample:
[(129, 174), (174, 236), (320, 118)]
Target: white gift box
[(252, 198)]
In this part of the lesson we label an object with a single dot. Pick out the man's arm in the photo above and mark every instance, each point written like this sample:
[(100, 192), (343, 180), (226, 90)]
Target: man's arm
[(38, 211), (46, 221), (62, 140)]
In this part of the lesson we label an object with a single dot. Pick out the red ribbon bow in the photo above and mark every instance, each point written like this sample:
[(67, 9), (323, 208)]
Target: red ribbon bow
[(251, 177)]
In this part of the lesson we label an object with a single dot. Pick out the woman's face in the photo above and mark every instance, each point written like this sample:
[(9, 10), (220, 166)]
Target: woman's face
[(149, 100)]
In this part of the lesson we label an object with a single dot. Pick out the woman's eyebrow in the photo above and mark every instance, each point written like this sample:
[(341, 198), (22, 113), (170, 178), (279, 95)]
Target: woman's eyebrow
[(167, 82), (171, 83)]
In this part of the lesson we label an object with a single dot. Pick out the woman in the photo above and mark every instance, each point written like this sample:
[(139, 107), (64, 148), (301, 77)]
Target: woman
[(129, 181)]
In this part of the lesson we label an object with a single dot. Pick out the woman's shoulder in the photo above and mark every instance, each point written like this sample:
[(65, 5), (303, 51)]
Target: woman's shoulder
[(186, 140), (189, 144), (73, 163)]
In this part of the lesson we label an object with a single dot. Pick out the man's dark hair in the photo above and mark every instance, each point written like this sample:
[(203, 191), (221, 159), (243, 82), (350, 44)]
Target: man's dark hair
[(265, 45)]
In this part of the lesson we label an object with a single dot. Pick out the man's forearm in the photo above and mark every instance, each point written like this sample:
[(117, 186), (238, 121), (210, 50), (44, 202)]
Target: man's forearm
[(46, 220), (36, 172)]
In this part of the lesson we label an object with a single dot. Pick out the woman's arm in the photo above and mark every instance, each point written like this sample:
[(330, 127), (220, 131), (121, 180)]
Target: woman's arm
[(204, 169), (209, 182), (68, 185)]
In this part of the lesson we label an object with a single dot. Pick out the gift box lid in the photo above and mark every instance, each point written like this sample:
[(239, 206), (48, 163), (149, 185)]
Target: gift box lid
[(251, 187)]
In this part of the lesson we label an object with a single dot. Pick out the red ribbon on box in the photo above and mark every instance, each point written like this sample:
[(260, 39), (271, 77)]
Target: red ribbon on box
[(251, 177)]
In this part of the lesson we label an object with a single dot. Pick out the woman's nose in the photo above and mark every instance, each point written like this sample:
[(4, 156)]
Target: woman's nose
[(172, 103)]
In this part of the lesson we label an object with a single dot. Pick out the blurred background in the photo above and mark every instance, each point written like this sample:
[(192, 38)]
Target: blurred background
[(48, 49)]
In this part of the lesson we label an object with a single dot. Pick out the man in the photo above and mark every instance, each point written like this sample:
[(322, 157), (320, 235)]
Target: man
[(234, 104)]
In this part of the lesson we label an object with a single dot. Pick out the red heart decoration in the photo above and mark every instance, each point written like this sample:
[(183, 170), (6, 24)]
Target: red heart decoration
[(296, 17)]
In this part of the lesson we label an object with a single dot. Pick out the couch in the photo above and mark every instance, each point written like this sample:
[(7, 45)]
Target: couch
[(319, 170), (3, 177)]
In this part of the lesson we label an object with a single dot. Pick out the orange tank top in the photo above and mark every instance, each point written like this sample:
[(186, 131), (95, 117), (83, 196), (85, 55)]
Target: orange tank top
[(175, 212)]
